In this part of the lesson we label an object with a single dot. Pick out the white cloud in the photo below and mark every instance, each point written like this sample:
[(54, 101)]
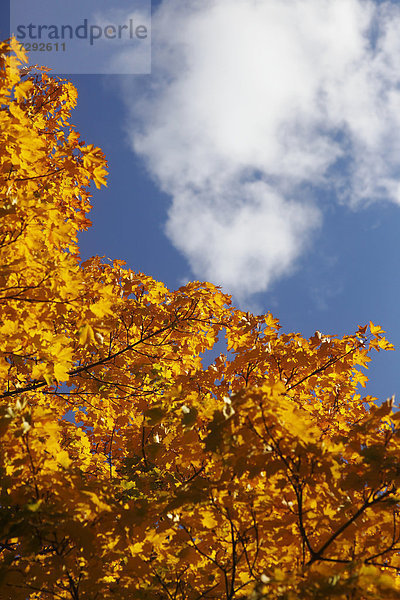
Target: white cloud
[(253, 106), (252, 233)]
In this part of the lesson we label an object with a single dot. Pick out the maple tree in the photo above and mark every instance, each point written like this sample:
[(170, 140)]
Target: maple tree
[(263, 475)]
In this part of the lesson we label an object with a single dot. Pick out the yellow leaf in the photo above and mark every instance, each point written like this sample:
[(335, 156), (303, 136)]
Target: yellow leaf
[(244, 577), (21, 90), (375, 329), (63, 459), (86, 335), (136, 548), (34, 506), (61, 372), (209, 521)]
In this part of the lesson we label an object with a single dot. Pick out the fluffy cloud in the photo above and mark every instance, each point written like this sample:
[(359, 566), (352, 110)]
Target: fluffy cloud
[(244, 238), (254, 111)]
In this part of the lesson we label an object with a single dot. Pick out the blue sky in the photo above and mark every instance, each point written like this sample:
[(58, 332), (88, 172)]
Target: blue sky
[(262, 153)]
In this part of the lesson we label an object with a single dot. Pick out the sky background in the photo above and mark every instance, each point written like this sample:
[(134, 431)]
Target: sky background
[(262, 153)]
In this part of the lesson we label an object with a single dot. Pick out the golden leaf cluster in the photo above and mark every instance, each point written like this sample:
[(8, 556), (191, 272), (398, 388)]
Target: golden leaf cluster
[(130, 468)]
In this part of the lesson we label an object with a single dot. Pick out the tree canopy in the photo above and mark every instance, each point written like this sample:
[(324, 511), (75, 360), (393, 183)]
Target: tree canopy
[(131, 467)]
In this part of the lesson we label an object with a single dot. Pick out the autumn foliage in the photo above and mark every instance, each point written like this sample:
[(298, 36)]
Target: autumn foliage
[(130, 467)]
